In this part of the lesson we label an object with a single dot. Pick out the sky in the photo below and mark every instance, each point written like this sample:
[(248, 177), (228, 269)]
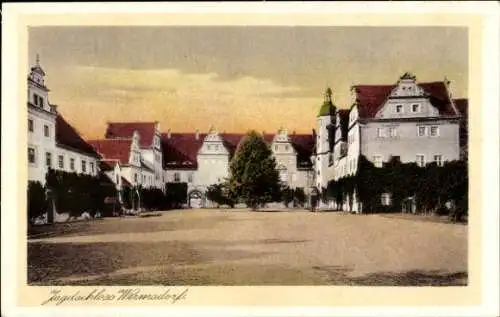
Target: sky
[(232, 78)]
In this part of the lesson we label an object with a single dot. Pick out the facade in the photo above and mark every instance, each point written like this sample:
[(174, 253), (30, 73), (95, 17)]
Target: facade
[(202, 159), (149, 147), (52, 141), (408, 121)]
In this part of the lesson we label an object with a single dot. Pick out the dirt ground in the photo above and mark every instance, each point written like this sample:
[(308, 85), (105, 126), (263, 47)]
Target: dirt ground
[(222, 247)]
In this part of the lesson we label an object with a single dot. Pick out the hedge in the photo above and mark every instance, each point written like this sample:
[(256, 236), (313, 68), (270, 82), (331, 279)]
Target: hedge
[(431, 185)]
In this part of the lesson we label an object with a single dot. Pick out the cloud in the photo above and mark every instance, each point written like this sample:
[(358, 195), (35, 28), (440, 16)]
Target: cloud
[(180, 101)]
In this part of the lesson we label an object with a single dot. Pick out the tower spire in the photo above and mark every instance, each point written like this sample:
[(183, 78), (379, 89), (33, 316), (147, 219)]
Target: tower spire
[(328, 95)]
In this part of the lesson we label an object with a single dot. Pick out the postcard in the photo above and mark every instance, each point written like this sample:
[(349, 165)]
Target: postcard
[(250, 158)]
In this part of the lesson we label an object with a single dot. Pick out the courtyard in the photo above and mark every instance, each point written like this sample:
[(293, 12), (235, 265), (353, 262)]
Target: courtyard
[(240, 247)]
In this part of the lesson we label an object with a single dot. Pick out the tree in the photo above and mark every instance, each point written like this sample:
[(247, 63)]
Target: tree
[(253, 175)]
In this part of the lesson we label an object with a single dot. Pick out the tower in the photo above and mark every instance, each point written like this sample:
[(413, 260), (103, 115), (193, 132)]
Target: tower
[(37, 91), (323, 149)]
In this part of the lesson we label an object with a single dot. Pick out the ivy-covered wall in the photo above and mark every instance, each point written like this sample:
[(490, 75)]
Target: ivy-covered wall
[(431, 186)]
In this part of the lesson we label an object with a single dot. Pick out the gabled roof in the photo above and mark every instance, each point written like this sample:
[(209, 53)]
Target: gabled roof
[(126, 130), (67, 136), (371, 98), (181, 149), (113, 149)]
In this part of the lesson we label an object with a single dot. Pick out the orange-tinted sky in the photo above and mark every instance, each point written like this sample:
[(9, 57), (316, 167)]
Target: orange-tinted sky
[(235, 78)]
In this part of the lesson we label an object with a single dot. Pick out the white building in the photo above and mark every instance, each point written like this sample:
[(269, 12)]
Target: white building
[(408, 121), (52, 141)]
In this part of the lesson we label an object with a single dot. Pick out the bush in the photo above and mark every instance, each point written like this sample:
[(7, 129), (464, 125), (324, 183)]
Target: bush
[(299, 196), (37, 202), (220, 194), (76, 193), (176, 194), (431, 185), (287, 195)]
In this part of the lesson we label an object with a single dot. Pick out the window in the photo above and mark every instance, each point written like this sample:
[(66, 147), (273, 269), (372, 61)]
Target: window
[(60, 160), (276, 148), (48, 159), (190, 177), (30, 125), (135, 178), (438, 159), (415, 108), (381, 132), (216, 147), (393, 132), (91, 167), (84, 166), (38, 100), (377, 160), (420, 160), (72, 164), (421, 131), (434, 131), (209, 147), (46, 131), (399, 108), (286, 148), (385, 199), (177, 177), (31, 155)]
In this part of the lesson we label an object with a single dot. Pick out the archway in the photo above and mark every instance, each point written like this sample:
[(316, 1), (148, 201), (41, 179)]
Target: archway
[(196, 199)]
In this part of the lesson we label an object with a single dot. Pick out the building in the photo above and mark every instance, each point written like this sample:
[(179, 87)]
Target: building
[(408, 121), (149, 147), (202, 159), (52, 141)]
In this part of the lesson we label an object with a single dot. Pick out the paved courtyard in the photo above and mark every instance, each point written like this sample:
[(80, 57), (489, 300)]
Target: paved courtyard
[(219, 247)]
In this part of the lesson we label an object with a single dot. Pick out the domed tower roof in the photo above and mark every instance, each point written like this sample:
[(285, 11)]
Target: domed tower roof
[(328, 108)]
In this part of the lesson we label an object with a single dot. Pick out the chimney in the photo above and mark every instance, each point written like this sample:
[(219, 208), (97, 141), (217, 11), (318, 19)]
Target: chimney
[(169, 134), (197, 136)]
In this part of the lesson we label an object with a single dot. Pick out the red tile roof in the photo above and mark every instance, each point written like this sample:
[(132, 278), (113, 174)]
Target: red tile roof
[(181, 149), (126, 130), (370, 98), (68, 136), (113, 149)]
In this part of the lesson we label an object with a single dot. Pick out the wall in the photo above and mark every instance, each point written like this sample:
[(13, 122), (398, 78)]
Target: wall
[(41, 144), (78, 157), (407, 144)]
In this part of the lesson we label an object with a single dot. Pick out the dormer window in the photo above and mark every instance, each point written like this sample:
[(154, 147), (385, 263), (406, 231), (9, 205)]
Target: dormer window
[(399, 108), (415, 108)]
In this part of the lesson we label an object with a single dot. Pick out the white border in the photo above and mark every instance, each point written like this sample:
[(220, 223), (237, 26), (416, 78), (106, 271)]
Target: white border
[(490, 157)]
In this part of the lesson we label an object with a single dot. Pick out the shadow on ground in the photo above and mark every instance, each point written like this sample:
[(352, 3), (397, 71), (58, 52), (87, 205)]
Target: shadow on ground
[(122, 226), (339, 275), (50, 262)]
